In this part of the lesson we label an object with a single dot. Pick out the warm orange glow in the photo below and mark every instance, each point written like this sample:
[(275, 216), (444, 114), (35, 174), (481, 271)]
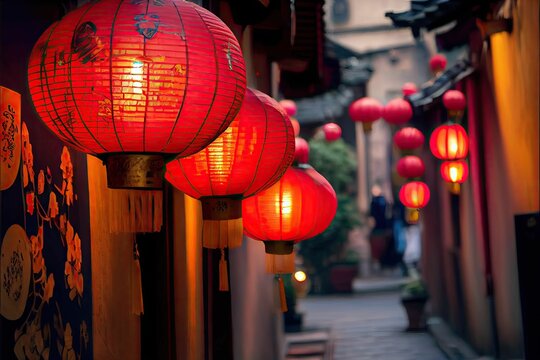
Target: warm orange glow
[(299, 206), (455, 171), (137, 70), (300, 276), (449, 142), (414, 194)]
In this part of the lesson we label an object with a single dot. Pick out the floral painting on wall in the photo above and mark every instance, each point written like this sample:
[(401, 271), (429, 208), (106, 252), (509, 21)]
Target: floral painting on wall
[(45, 278)]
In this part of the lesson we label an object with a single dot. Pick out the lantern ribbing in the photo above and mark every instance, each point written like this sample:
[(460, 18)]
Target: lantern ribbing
[(131, 77)]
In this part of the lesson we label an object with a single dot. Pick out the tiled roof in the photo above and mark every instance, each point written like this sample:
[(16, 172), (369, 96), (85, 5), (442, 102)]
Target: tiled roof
[(434, 89), (431, 14)]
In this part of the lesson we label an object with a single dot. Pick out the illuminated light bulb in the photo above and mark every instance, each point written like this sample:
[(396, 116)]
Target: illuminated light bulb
[(300, 276)]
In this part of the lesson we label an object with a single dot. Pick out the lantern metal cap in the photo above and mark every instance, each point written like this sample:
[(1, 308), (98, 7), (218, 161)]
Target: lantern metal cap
[(140, 171), (278, 247), (221, 207)]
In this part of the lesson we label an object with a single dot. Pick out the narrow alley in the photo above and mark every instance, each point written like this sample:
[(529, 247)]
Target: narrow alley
[(365, 327)]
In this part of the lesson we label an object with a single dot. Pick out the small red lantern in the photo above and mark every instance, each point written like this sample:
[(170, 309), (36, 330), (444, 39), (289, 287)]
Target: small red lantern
[(455, 173), (301, 150), (133, 82), (410, 167), (296, 126), (249, 156), (397, 111), (301, 205), (414, 195), (365, 110), (408, 138), (449, 142), (332, 132), (455, 103), (408, 88), (437, 63), (289, 106)]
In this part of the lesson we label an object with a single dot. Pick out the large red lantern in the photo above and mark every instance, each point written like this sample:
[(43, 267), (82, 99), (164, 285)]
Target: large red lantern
[(414, 195), (410, 166), (449, 142), (397, 111), (408, 88), (249, 156), (133, 82), (301, 205), (301, 150), (455, 173), (454, 101), (289, 106), (366, 110), (332, 132), (437, 63), (408, 138)]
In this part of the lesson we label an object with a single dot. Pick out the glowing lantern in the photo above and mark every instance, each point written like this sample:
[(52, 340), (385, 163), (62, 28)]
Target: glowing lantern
[(437, 63), (332, 132), (296, 126), (249, 156), (449, 142), (300, 205), (414, 195), (454, 101), (289, 106), (410, 167), (408, 88), (301, 151), (365, 110), (133, 82), (455, 173), (397, 111), (408, 138)]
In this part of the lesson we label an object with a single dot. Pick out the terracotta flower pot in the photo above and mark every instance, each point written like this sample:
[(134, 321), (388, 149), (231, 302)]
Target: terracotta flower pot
[(414, 307)]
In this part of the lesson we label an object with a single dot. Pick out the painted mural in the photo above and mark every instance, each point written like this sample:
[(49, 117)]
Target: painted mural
[(45, 307)]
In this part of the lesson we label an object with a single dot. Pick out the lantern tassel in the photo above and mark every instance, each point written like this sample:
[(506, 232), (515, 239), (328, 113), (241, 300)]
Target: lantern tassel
[(222, 233), (282, 298), (280, 264), (223, 273), (137, 304)]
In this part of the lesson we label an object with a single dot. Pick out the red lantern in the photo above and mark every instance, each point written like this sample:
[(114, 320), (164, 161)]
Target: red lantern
[(114, 79), (408, 138), (397, 111), (455, 102), (410, 167), (289, 106), (449, 142), (301, 205), (249, 156), (437, 63), (455, 173), (414, 195), (296, 126), (332, 132), (301, 150), (365, 110), (408, 88)]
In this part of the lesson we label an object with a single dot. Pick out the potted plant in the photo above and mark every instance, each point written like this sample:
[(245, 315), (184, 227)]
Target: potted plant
[(414, 296)]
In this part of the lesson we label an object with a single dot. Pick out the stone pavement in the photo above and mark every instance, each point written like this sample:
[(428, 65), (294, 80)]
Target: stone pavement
[(367, 326)]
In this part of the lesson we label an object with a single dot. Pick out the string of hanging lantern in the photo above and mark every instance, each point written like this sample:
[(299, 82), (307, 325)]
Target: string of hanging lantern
[(450, 142), (251, 155), (413, 193)]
